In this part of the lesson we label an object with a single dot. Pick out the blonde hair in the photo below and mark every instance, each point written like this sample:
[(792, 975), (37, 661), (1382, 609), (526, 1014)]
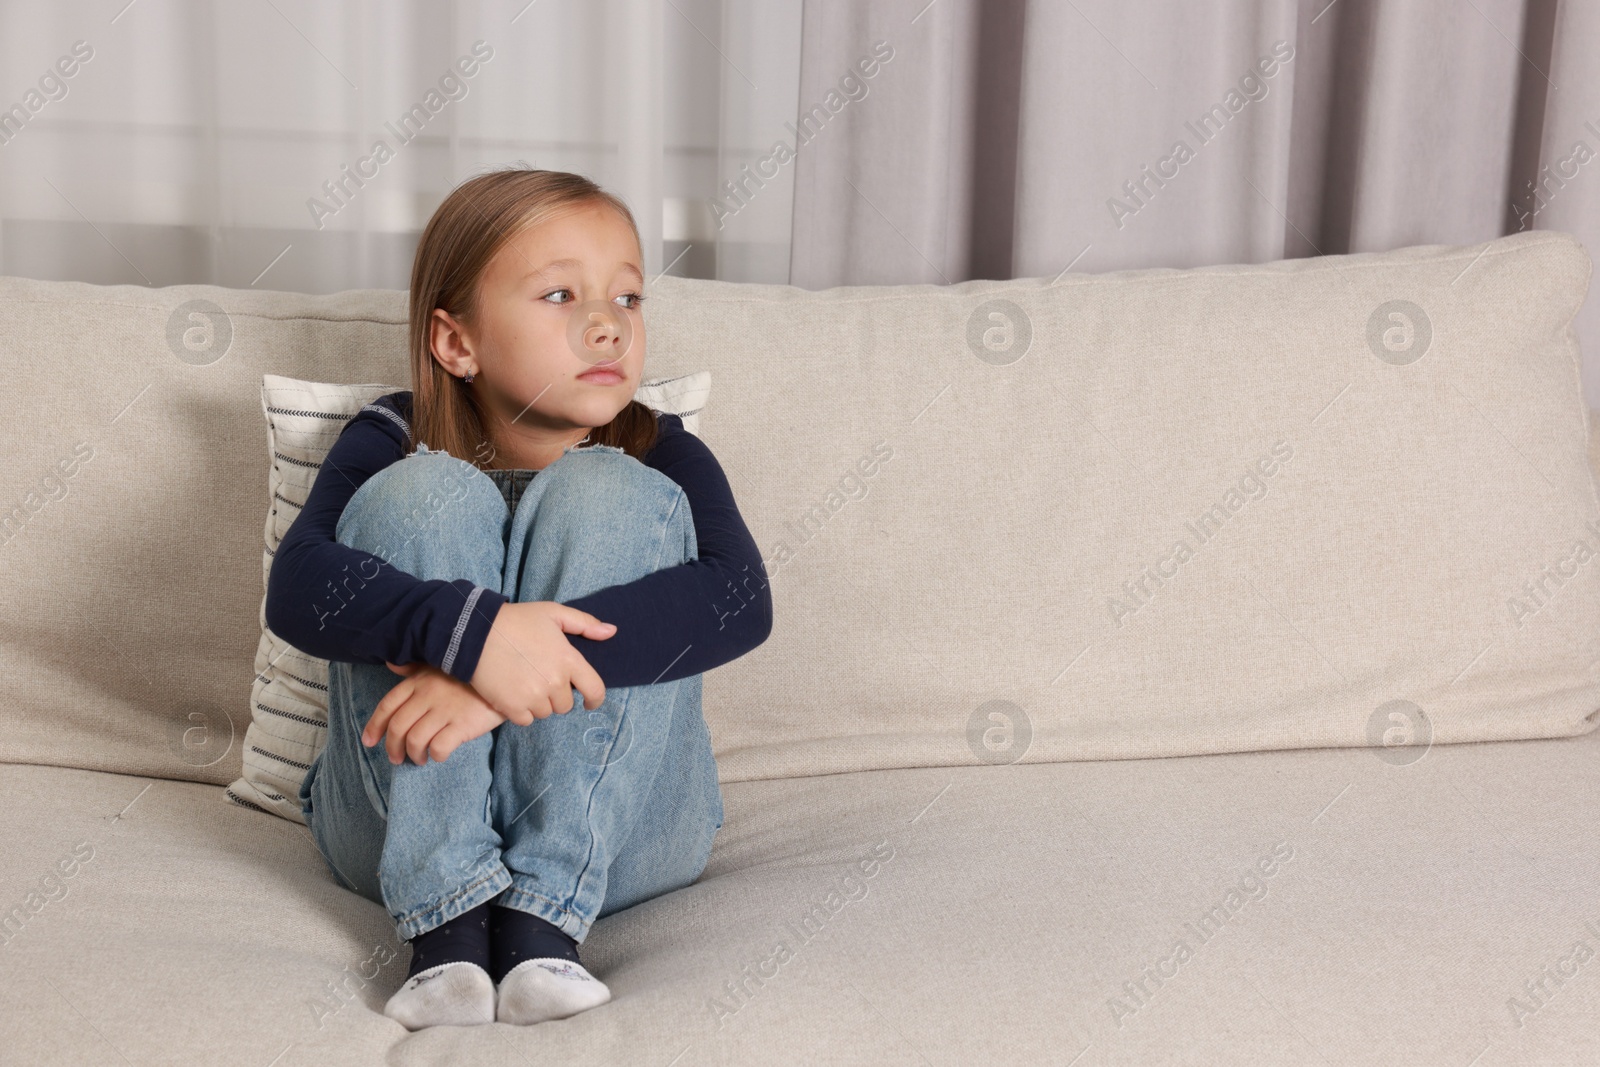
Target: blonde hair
[(472, 224)]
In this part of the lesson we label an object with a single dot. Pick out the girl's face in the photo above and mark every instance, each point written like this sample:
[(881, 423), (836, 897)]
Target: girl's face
[(532, 342)]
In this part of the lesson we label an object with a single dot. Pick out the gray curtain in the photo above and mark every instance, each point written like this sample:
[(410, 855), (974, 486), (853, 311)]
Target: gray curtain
[(1016, 139)]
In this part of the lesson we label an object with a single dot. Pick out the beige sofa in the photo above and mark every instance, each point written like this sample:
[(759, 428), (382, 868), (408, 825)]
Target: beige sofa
[(1014, 780)]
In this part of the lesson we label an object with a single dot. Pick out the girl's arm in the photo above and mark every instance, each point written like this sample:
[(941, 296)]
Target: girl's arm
[(339, 603)]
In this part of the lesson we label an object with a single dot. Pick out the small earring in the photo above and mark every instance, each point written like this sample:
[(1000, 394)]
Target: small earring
[(468, 378)]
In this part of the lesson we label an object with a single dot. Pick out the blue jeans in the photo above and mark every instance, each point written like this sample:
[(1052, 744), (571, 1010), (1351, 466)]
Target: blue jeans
[(570, 818)]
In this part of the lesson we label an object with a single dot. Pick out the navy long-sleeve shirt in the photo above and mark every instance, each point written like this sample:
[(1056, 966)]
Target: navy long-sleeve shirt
[(340, 603)]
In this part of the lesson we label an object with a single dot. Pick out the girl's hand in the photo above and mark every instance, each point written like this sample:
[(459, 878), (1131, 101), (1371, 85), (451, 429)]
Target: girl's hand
[(429, 712), (528, 669)]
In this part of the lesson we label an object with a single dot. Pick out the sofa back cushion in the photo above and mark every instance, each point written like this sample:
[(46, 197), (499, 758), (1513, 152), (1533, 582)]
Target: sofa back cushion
[(137, 467), (1334, 501), (1317, 502)]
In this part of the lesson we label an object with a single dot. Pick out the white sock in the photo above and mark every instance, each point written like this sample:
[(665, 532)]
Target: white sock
[(452, 994), (536, 990)]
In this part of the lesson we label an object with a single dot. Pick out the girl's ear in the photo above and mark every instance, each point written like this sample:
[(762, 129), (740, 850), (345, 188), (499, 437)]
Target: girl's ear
[(451, 346)]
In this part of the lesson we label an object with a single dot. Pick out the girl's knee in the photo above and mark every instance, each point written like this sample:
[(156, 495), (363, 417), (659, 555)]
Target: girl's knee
[(426, 472), (412, 494), (598, 475), (642, 515)]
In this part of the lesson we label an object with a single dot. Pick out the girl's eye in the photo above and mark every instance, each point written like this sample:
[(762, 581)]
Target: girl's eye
[(637, 298)]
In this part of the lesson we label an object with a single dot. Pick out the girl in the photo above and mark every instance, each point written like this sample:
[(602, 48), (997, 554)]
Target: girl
[(589, 544)]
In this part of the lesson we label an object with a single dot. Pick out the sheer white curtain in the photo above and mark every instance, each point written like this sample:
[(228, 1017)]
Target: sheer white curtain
[(1023, 138), (302, 144)]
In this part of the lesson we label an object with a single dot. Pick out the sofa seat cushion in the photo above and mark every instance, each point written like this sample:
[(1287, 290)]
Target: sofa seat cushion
[(1016, 913)]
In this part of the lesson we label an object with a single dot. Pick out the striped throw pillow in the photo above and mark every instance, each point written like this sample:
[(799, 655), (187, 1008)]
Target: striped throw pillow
[(289, 697)]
